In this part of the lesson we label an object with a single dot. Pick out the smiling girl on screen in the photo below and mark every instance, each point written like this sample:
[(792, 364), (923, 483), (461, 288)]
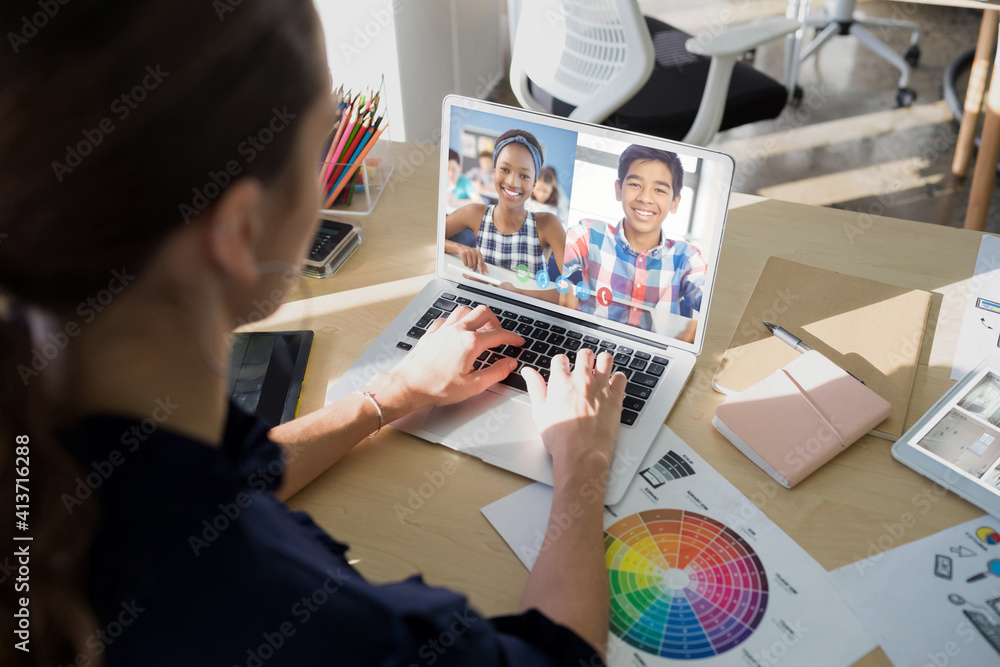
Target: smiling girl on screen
[(507, 234)]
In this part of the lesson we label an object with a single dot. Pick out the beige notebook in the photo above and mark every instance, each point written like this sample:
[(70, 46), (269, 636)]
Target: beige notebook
[(870, 329)]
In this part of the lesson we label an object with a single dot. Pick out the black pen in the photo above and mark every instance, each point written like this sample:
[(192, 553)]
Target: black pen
[(789, 338)]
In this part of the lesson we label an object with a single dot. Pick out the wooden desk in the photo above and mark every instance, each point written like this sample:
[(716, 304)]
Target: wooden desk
[(838, 515)]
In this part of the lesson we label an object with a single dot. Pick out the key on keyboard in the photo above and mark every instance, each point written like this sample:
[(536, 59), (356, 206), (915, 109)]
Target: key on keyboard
[(442, 304)]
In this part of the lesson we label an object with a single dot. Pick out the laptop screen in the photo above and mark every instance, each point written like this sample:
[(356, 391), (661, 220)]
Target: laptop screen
[(615, 228)]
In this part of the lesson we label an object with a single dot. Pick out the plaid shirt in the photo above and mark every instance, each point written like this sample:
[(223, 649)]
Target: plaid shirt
[(673, 271), (510, 250)]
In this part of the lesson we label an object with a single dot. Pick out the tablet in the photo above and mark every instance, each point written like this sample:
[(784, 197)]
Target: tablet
[(266, 372), (957, 443)]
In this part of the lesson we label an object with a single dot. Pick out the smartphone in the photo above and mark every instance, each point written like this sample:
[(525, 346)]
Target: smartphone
[(335, 241)]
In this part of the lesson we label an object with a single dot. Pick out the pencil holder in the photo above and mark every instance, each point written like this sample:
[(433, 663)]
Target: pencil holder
[(357, 185)]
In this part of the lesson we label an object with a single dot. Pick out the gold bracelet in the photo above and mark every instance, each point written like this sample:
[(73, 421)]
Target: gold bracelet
[(378, 408)]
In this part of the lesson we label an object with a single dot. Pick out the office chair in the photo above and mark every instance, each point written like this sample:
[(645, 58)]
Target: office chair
[(840, 18), (602, 61)]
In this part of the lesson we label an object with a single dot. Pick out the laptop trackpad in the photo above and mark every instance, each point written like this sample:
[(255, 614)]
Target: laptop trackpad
[(486, 425)]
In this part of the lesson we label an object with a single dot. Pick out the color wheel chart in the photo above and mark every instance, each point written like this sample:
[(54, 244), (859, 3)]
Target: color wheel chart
[(683, 585)]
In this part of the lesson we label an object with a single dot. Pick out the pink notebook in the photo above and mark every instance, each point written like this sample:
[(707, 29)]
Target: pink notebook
[(800, 417)]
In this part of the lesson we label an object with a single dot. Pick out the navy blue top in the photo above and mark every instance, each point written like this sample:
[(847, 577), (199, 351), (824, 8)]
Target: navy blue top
[(196, 563)]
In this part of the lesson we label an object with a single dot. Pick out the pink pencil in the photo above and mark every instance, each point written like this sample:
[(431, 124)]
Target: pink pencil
[(346, 120), (332, 159), (343, 162), (327, 163)]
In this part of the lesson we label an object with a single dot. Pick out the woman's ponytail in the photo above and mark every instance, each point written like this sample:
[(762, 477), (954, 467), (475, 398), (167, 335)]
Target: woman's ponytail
[(45, 564)]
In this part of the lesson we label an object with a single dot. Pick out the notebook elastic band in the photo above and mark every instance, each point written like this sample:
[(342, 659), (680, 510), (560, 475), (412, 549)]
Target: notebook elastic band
[(812, 405)]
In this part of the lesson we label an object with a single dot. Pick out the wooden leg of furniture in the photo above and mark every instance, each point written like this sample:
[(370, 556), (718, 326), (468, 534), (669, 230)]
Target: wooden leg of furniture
[(974, 95), (985, 174)]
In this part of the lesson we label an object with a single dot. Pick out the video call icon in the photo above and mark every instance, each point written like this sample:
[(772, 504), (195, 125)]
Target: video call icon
[(522, 273)]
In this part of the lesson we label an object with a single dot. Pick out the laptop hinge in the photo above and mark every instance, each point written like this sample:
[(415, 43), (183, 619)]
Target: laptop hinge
[(569, 318)]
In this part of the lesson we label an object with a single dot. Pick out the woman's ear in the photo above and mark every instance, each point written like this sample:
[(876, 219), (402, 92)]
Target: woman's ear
[(233, 228)]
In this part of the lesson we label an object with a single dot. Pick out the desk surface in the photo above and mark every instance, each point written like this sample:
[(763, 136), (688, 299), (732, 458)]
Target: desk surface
[(394, 502)]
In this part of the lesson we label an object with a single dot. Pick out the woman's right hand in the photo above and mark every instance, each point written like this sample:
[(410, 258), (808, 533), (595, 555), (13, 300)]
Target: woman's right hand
[(439, 370), (578, 412), (472, 259)]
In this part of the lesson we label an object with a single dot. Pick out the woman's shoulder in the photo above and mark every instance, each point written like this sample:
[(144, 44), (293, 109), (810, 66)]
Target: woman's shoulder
[(469, 214)]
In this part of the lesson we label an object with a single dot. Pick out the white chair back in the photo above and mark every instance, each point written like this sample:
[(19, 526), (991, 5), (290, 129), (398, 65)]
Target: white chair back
[(593, 54)]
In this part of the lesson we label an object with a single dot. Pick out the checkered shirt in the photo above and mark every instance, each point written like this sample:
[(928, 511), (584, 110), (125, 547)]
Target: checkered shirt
[(510, 250), (598, 253)]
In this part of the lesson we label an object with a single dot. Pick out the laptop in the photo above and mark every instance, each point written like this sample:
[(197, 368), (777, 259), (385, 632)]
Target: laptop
[(652, 319)]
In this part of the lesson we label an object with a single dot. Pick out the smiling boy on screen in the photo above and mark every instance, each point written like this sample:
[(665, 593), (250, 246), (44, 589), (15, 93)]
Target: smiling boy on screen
[(633, 257)]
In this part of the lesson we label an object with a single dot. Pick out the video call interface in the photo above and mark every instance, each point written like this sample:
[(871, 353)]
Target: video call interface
[(619, 231)]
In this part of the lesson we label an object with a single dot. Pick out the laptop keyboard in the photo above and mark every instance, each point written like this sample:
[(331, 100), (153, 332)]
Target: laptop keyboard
[(542, 341)]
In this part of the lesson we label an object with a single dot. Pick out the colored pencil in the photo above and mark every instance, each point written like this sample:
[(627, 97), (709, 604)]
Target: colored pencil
[(344, 161), (360, 159), (359, 145), (362, 121), (327, 163), (349, 128)]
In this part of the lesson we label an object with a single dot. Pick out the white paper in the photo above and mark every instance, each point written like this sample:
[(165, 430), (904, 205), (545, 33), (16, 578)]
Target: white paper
[(521, 518), (916, 600), (980, 334), (718, 556)]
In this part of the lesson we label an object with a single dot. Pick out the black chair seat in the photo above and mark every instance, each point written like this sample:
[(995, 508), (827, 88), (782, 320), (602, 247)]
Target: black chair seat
[(666, 106)]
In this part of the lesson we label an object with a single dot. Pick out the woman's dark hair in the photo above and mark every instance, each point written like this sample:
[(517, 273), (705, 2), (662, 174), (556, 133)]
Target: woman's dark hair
[(119, 122), (549, 175), (453, 156), (528, 136)]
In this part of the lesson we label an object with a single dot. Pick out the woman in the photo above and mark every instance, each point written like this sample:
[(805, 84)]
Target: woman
[(157, 158), (507, 234)]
